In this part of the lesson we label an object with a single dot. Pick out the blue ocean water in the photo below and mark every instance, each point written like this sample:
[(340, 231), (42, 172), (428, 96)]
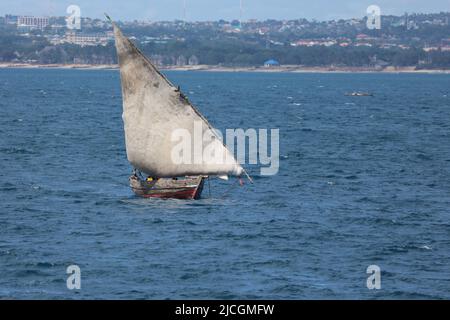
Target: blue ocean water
[(362, 181)]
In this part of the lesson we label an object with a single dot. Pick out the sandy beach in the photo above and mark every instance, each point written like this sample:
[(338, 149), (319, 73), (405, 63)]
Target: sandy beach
[(286, 68)]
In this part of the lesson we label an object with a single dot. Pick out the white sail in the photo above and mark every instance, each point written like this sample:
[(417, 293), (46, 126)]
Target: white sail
[(153, 110)]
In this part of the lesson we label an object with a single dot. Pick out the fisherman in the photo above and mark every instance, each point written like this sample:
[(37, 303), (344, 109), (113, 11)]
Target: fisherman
[(151, 179)]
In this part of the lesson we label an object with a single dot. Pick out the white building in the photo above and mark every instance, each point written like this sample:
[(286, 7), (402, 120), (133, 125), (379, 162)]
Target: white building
[(32, 22), (83, 39)]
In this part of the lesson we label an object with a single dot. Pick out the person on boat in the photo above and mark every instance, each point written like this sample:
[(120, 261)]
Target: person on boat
[(151, 179)]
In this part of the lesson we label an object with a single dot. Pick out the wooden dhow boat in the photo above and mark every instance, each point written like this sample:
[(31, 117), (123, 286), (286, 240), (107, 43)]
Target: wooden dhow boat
[(153, 108), (187, 188)]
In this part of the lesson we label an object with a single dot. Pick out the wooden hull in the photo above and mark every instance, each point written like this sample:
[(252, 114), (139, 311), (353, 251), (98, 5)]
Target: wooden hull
[(189, 188)]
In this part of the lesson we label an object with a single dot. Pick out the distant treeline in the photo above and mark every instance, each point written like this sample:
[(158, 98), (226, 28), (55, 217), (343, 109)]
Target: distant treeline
[(220, 49), (236, 53)]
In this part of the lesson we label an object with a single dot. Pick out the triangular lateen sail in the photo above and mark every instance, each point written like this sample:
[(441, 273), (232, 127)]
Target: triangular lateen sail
[(153, 109)]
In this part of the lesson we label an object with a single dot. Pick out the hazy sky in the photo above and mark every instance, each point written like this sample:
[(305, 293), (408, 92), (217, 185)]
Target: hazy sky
[(221, 9)]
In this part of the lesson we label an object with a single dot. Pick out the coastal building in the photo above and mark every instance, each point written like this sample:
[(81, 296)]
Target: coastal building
[(85, 39), (363, 44), (30, 22), (362, 36), (312, 43), (55, 39), (271, 63), (11, 19), (428, 49)]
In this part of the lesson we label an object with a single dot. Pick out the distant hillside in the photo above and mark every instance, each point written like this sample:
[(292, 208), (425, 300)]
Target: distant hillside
[(420, 40)]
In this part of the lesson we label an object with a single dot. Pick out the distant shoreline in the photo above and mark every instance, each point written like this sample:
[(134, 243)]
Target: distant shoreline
[(282, 69)]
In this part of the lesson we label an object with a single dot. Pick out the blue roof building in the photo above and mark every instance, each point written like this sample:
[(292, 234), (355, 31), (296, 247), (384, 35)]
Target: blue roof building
[(271, 63)]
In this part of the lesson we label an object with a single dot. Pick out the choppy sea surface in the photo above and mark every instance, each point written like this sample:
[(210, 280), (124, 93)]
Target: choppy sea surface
[(362, 181)]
